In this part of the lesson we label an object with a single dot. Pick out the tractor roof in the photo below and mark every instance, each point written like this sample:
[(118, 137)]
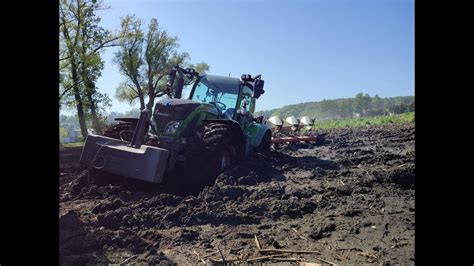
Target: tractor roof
[(220, 83)]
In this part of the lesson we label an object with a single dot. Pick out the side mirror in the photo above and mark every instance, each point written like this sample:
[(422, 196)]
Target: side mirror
[(258, 88)]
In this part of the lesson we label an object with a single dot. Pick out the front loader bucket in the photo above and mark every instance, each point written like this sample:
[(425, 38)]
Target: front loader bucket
[(146, 163)]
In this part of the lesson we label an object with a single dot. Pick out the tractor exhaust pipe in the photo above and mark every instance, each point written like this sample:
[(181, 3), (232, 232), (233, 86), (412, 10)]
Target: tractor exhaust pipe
[(139, 133), (179, 87)]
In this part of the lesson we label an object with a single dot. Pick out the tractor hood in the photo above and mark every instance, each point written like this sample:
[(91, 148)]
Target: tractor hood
[(168, 110), (177, 102)]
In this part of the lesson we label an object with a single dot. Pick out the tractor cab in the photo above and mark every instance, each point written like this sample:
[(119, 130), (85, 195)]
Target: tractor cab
[(222, 92), (229, 95), (234, 98)]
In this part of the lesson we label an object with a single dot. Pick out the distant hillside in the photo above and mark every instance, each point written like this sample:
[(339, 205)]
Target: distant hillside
[(361, 105)]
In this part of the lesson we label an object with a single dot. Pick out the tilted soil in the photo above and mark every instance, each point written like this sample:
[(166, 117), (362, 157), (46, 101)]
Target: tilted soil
[(350, 197)]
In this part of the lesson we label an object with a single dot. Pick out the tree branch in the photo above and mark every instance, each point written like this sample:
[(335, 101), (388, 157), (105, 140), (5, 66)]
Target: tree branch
[(104, 44), (64, 58), (156, 82), (69, 88), (133, 89)]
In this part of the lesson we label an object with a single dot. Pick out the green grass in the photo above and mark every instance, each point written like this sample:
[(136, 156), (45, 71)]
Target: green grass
[(357, 122), (73, 144)]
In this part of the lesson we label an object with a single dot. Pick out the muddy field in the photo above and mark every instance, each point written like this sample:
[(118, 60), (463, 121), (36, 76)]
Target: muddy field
[(351, 198)]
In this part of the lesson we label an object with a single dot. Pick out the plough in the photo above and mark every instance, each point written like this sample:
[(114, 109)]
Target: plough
[(292, 130)]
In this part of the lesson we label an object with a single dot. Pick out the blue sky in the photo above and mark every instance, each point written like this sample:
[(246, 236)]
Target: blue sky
[(305, 50)]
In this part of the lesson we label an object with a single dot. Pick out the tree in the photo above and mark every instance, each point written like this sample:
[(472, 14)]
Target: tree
[(359, 103), (145, 60), (63, 132), (387, 104), (366, 103), (81, 40), (345, 108), (71, 18), (377, 103), (91, 69)]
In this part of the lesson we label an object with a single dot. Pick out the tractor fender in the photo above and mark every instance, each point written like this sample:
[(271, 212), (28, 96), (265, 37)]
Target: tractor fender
[(232, 123), (256, 132)]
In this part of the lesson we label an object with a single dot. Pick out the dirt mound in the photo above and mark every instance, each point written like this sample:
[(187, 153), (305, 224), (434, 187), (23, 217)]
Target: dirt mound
[(351, 197)]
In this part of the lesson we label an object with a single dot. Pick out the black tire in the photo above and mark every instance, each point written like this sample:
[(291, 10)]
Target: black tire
[(224, 157), (266, 142), (218, 148), (218, 138), (221, 146)]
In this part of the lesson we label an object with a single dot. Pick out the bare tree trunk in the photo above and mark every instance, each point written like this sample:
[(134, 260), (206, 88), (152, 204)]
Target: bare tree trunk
[(151, 95), (95, 117), (141, 96), (90, 86), (142, 101), (151, 102), (77, 97)]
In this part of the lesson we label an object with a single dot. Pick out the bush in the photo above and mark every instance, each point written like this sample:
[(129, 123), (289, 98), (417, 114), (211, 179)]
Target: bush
[(378, 120), (63, 132)]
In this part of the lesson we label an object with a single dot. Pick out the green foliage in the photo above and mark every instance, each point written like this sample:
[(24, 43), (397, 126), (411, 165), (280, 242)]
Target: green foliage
[(104, 119), (73, 144), (81, 38), (133, 113), (346, 108), (124, 93), (145, 60), (201, 68), (71, 120), (63, 132), (357, 122)]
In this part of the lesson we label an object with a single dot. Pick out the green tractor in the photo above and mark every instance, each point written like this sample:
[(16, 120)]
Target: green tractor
[(215, 125)]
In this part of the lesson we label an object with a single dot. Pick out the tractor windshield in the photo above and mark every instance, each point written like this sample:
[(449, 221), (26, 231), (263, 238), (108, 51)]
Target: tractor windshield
[(223, 94)]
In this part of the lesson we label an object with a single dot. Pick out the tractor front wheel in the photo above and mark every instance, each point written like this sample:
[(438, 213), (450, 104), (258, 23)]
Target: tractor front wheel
[(226, 157), (217, 149), (224, 145)]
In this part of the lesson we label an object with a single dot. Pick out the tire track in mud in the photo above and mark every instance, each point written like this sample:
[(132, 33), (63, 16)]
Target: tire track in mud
[(352, 198)]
